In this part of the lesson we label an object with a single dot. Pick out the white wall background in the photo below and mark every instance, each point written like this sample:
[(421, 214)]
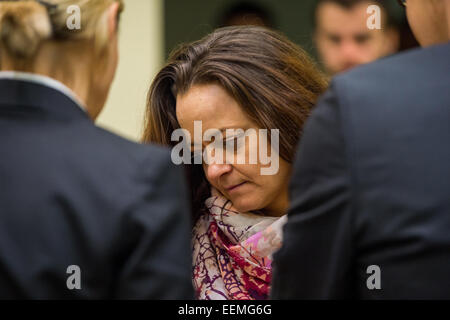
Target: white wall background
[(141, 50)]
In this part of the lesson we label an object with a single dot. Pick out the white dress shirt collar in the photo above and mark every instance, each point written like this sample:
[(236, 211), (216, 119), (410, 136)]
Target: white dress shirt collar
[(46, 81)]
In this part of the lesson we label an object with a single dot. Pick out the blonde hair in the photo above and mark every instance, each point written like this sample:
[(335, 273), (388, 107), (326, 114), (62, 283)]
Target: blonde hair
[(26, 24)]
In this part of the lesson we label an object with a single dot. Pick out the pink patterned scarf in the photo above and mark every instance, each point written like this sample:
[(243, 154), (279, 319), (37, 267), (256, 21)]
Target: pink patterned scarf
[(232, 252)]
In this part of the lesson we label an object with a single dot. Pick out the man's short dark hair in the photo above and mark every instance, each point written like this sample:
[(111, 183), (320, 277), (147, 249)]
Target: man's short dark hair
[(349, 4), (247, 8)]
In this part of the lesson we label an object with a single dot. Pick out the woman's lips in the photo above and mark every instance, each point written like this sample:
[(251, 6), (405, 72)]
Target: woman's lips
[(235, 187)]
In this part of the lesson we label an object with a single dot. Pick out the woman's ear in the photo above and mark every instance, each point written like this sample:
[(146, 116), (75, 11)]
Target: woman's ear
[(113, 11)]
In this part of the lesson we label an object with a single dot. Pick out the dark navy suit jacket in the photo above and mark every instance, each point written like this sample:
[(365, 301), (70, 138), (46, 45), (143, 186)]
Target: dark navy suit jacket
[(371, 186), (74, 194)]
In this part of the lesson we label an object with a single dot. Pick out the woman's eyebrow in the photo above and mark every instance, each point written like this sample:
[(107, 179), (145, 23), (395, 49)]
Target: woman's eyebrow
[(223, 131), (236, 133), (234, 128)]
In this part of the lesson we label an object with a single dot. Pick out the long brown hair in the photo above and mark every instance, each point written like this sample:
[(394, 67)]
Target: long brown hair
[(273, 80)]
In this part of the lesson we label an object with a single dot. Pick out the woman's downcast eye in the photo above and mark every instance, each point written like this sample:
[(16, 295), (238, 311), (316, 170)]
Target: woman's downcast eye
[(233, 143)]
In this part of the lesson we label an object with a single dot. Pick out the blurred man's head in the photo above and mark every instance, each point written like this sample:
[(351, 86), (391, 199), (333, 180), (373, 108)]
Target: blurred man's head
[(343, 39), (429, 20), (246, 13)]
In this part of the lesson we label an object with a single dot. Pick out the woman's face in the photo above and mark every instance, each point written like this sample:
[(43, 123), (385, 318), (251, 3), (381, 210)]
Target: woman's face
[(243, 184)]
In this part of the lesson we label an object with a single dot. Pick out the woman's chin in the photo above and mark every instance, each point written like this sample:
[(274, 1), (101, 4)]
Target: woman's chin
[(244, 206)]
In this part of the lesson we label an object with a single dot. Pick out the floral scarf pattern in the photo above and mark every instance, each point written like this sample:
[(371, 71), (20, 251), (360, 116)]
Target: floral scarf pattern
[(232, 252)]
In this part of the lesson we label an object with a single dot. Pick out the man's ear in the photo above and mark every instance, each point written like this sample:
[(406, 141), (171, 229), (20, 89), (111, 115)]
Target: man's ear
[(113, 11)]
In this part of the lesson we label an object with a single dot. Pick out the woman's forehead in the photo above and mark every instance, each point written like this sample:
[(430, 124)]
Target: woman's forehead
[(210, 104)]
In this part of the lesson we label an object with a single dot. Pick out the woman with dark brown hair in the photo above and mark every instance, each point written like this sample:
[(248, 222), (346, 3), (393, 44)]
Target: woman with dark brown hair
[(234, 80)]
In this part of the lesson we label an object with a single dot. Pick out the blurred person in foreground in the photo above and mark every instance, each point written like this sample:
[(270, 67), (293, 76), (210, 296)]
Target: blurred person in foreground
[(84, 214), (343, 39), (370, 204)]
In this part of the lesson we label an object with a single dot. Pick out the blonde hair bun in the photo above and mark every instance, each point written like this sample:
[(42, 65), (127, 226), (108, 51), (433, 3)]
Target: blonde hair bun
[(24, 25)]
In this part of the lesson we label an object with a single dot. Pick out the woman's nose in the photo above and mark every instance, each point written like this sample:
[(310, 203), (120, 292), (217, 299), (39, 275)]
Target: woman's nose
[(214, 171)]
